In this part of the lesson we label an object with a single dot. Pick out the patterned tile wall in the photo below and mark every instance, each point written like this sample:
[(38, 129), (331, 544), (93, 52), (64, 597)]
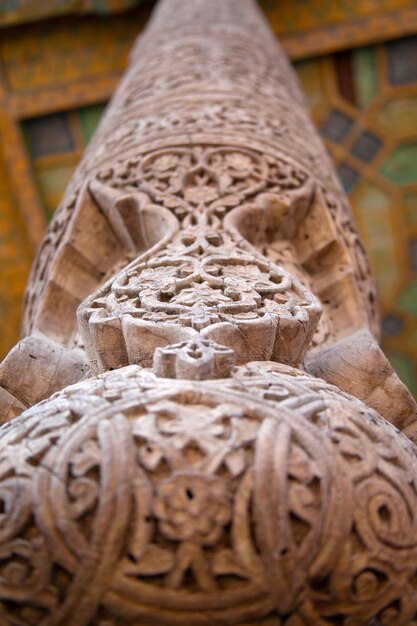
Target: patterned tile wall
[(364, 103), (52, 74), (55, 143)]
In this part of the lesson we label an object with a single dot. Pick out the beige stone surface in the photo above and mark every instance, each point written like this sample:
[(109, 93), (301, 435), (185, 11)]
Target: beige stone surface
[(243, 464)]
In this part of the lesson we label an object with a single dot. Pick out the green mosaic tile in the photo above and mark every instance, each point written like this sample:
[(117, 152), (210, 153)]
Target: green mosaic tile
[(373, 205), (399, 116), (89, 118), (407, 300), (401, 165), (404, 367), (410, 208), (365, 76)]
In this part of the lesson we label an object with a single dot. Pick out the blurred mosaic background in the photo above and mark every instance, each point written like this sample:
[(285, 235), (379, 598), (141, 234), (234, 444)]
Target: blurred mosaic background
[(60, 62)]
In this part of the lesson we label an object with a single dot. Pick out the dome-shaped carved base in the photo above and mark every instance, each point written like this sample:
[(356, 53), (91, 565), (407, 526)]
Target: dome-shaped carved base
[(268, 498)]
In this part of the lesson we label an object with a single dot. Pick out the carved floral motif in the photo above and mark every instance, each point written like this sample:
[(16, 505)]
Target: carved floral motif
[(166, 99), (205, 480), (204, 279), (192, 507), (270, 494)]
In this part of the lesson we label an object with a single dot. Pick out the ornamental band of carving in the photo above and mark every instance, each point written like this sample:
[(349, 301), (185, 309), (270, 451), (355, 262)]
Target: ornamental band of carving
[(199, 424)]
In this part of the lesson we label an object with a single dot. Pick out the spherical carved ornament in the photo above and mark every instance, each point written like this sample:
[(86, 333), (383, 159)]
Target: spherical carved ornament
[(174, 500), (205, 250)]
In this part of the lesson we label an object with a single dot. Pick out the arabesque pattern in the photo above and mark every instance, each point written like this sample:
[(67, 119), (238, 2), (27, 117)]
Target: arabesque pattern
[(202, 527), (205, 252), (368, 120)]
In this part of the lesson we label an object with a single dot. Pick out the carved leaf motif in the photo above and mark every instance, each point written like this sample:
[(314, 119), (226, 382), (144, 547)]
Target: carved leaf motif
[(152, 562), (88, 457)]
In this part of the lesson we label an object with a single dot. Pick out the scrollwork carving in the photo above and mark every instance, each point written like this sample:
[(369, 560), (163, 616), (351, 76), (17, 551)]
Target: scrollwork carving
[(206, 254), (166, 98), (254, 497)]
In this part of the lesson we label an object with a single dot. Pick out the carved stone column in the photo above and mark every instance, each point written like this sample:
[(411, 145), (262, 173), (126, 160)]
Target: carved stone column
[(205, 252)]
